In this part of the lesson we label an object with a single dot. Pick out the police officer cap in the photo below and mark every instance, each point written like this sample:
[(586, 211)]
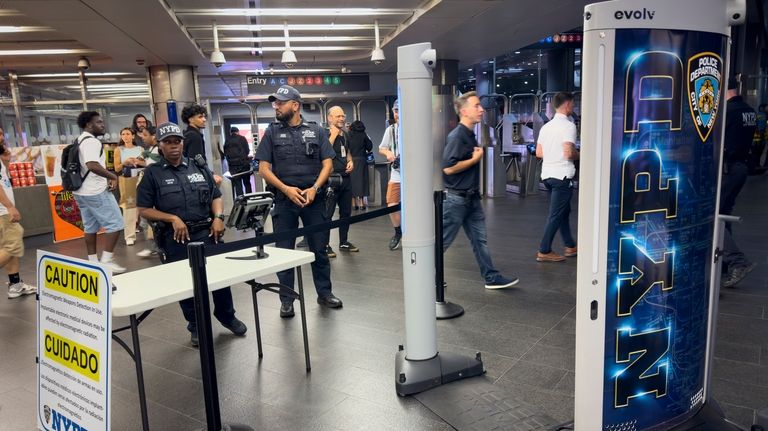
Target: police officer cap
[(285, 92), (167, 130)]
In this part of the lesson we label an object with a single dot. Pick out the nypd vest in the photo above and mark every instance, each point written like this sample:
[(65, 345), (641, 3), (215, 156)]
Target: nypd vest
[(296, 153)]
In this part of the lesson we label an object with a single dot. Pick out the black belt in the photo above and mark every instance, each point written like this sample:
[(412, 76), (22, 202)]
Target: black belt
[(464, 193)]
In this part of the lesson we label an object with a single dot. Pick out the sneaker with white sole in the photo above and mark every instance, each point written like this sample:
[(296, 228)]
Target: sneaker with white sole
[(17, 289), (146, 253), (502, 282), (116, 269)]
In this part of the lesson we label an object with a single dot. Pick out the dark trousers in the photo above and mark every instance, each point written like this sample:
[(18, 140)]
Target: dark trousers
[(559, 212), (285, 216), (224, 309), (733, 180), (342, 196), (243, 181)]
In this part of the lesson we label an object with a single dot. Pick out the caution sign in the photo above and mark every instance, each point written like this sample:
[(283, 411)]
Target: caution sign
[(74, 343)]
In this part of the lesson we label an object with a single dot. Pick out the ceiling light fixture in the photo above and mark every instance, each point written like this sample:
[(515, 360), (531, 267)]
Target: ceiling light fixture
[(280, 39), (295, 48), (217, 57), (289, 58), (294, 27), (23, 28), (8, 52), (377, 55), (294, 12)]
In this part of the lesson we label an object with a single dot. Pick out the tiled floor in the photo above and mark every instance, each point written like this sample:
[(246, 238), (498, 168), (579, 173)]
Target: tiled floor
[(526, 336)]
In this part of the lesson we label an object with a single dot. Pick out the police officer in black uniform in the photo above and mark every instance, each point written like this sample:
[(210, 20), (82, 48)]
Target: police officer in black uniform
[(295, 160), (180, 194), (740, 125)]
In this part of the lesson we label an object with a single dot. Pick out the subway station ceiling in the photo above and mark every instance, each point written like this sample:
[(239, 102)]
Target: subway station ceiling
[(39, 38)]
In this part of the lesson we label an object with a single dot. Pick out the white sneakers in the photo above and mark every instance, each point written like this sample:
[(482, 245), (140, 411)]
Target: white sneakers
[(146, 253), (116, 269), (17, 289)]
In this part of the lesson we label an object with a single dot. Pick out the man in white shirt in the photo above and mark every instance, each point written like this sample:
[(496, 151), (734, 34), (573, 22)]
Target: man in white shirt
[(557, 146), (98, 207), (11, 232), (390, 149)]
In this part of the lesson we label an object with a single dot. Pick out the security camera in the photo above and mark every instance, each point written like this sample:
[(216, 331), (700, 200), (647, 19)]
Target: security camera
[(429, 58), (377, 56), (289, 59), (217, 58), (83, 63), (736, 10)]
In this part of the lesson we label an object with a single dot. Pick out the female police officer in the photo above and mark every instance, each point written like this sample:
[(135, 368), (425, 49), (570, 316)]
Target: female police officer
[(295, 160), (181, 194)]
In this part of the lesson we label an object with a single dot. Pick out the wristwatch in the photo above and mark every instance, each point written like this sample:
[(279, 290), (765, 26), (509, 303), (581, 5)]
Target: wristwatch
[(317, 189), (219, 216)]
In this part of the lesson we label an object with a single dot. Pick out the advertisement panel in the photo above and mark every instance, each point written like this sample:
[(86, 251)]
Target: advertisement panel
[(668, 90), (67, 223), (74, 321)]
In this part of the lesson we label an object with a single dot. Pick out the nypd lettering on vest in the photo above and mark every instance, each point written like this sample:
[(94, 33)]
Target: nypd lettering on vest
[(704, 79), (196, 178), (308, 133)]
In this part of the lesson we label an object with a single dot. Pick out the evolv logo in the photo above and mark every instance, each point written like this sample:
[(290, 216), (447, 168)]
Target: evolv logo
[(635, 14)]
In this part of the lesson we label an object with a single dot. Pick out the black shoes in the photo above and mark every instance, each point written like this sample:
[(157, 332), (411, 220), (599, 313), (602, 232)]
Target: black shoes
[(348, 246), (329, 251), (193, 339), (394, 243), (286, 310), (330, 301), (236, 326)]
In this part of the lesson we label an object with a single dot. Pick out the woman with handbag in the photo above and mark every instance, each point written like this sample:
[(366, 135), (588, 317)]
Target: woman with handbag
[(360, 146), (127, 166)]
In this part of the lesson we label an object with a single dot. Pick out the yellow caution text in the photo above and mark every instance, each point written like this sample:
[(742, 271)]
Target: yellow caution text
[(72, 280), (72, 355)]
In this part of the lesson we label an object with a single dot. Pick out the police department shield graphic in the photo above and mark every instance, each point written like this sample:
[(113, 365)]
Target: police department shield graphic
[(704, 78)]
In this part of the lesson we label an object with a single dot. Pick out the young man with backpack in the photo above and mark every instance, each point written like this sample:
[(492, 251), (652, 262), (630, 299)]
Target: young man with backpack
[(98, 207)]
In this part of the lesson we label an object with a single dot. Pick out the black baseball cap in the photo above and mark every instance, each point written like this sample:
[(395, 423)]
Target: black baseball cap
[(167, 130), (285, 92)]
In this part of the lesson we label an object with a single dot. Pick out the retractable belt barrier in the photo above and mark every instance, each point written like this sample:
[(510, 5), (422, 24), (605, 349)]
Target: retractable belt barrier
[(302, 231)]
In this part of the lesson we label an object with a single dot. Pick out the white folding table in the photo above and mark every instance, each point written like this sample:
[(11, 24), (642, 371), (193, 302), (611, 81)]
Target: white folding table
[(139, 292)]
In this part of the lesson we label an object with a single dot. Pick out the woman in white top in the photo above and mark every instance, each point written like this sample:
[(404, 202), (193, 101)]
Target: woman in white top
[(127, 161)]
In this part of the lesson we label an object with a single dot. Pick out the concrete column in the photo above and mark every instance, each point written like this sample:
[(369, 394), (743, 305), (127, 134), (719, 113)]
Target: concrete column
[(444, 80), (559, 70), (18, 124), (171, 86)]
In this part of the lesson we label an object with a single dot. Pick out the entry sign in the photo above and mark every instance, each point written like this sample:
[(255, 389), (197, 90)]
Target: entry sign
[(654, 114), (73, 344)]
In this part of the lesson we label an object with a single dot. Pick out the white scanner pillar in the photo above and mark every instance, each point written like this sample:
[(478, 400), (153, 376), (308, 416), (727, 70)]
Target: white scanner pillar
[(419, 366)]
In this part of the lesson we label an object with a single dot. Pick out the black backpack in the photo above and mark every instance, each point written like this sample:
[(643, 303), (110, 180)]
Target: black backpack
[(71, 179)]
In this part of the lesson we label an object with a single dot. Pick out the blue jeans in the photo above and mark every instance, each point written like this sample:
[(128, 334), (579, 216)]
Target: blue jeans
[(461, 211), (285, 216), (559, 211)]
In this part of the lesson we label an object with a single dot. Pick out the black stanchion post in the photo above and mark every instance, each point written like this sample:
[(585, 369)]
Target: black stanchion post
[(445, 310), (196, 252)]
